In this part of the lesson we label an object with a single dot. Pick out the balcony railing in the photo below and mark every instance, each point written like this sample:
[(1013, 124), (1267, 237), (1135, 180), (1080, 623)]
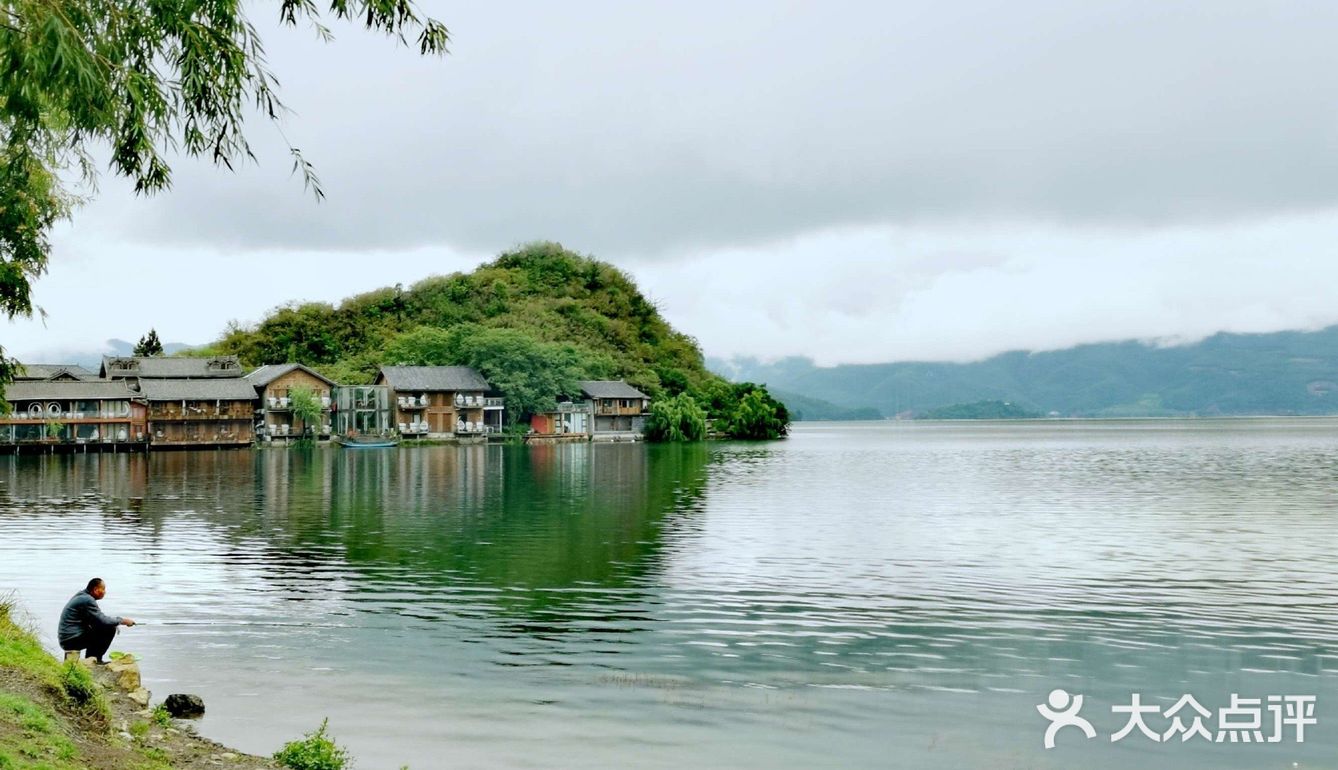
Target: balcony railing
[(200, 416), (28, 418), (624, 411)]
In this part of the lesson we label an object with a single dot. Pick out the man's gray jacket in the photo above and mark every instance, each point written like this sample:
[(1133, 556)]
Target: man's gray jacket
[(82, 614)]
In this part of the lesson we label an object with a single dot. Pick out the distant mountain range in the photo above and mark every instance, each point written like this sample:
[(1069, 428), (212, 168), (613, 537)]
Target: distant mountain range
[(1282, 373), (92, 359)]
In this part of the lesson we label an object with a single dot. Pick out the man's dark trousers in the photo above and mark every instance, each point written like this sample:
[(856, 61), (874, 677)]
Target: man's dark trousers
[(94, 641)]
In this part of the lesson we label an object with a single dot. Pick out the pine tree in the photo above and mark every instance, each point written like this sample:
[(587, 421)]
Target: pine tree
[(149, 345)]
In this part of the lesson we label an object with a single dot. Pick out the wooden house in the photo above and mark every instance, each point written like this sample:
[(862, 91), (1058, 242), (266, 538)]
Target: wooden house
[(200, 413), (605, 409), (77, 413), (53, 372), (617, 409), (274, 384), (440, 401), (163, 368)]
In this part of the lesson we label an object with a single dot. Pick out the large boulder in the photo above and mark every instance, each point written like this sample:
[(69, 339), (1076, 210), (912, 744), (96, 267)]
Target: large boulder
[(126, 671), (184, 706)]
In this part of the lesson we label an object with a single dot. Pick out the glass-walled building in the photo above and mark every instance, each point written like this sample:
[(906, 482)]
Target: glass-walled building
[(361, 410)]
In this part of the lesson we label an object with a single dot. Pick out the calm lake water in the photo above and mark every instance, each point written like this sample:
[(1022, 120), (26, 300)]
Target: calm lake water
[(860, 595)]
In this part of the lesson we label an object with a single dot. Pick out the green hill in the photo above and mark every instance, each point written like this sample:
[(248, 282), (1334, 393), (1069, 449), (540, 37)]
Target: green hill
[(804, 408), (1280, 373), (533, 321), (980, 410)]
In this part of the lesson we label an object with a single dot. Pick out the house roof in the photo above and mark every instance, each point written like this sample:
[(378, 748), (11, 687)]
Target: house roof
[(609, 389), (58, 390), (236, 389), (432, 378), (157, 367), (50, 371), (271, 372)]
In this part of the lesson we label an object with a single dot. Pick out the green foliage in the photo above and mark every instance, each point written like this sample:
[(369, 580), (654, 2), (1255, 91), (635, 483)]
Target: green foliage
[(755, 416), (137, 78), (53, 428), (149, 345), (83, 693), (316, 751), (306, 407), (677, 418), (139, 729), (744, 410), (160, 717), (532, 374), (425, 346)]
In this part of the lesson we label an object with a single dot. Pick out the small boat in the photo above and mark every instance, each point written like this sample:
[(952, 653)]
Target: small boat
[(366, 442)]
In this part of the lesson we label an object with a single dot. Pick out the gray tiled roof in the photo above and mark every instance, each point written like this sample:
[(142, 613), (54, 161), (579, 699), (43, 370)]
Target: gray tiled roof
[(271, 372), (219, 367), (236, 389), (60, 390), (609, 389), (432, 378), (47, 371)]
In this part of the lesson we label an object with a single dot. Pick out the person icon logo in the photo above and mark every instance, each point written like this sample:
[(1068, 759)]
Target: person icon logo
[(1062, 711)]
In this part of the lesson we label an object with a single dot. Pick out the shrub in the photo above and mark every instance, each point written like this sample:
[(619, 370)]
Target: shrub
[(316, 751), (160, 716), (676, 419), (756, 416)]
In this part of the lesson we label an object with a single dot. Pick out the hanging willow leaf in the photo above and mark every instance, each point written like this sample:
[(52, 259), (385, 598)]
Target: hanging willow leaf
[(145, 77)]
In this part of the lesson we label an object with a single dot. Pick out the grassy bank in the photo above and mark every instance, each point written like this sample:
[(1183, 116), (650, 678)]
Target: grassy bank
[(62, 716)]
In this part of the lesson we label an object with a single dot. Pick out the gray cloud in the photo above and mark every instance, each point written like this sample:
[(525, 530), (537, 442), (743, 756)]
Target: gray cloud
[(650, 129)]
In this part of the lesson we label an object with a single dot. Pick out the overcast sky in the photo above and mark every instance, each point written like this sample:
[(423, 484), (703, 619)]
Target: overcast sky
[(854, 182)]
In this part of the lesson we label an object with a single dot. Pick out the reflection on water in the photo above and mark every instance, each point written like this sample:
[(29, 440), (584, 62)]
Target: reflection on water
[(859, 595)]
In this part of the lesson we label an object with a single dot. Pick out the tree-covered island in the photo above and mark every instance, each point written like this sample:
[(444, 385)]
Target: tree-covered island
[(534, 322)]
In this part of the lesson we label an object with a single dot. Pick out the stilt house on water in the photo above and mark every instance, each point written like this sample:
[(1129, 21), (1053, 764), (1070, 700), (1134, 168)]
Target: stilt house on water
[(441, 401), (274, 385), (94, 414), (608, 410)]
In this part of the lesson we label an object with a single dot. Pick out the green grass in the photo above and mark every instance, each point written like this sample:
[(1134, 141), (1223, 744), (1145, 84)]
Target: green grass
[(19, 648), (316, 751), (160, 716), (30, 734), (30, 738), (83, 693)]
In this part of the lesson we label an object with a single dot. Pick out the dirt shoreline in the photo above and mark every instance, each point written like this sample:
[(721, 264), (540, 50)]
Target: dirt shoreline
[(176, 743)]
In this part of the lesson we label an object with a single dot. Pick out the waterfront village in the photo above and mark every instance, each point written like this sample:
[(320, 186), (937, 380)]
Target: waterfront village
[(141, 403)]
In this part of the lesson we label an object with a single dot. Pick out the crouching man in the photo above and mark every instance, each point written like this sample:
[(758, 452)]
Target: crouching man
[(83, 626)]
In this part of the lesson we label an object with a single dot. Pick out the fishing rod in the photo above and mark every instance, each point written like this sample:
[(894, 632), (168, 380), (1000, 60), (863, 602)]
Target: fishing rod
[(256, 623)]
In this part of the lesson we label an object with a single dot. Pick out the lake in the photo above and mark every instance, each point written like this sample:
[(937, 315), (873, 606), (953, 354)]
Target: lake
[(859, 595)]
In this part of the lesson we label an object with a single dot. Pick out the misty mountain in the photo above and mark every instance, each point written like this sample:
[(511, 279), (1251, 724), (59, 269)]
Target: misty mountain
[(1225, 374), (91, 359)]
